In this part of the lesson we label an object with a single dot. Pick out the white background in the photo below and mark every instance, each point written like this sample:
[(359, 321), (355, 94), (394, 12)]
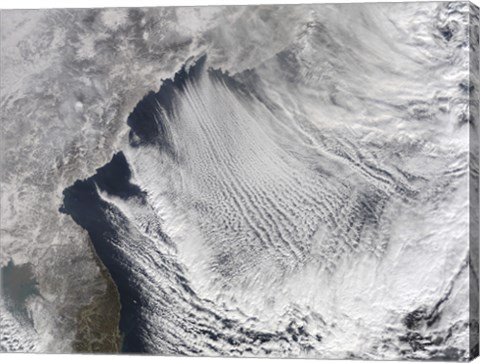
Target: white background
[(77, 358)]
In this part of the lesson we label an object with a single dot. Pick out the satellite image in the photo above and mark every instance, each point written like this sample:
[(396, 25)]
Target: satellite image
[(292, 181)]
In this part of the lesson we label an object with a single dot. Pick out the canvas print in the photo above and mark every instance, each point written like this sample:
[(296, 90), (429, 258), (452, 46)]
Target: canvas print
[(292, 181)]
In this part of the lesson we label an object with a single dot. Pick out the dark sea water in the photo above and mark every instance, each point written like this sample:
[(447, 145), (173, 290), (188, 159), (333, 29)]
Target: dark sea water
[(17, 285), (83, 204)]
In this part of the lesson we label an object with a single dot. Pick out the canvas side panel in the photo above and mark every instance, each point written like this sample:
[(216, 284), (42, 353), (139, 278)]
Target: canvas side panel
[(474, 179)]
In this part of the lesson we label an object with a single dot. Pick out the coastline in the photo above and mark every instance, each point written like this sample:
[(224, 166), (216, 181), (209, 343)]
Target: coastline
[(98, 323)]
